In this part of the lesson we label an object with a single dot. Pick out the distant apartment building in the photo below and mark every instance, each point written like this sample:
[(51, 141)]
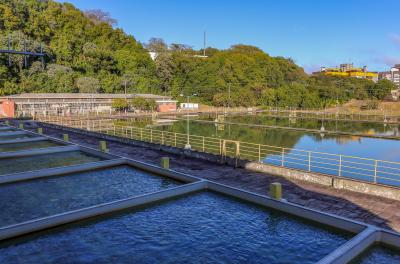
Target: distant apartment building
[(348, 70), (392, 75)]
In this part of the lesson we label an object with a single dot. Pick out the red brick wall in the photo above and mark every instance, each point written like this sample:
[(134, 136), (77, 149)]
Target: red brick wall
[(166, 107), (7, 108)]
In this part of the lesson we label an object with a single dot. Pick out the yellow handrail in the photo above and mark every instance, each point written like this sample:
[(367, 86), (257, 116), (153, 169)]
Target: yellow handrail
[(343, 165)]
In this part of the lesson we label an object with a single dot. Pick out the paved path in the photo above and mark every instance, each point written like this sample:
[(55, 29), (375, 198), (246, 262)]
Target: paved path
[(373, 210)]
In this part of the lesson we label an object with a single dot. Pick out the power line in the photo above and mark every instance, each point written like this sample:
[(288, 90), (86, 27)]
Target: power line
[(24, 52)]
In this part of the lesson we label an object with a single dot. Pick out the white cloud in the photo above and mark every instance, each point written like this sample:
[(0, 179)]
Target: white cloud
[(388, 60), (395, 38)]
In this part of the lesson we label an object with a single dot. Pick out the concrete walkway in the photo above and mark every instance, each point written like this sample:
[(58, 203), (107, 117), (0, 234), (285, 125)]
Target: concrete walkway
[(373, 210)]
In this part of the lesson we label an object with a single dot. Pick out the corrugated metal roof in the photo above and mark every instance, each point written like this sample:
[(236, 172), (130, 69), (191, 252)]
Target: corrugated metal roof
[(81, 96)]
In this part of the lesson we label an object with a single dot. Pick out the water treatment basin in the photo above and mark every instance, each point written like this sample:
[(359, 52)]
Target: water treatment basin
[(23, 201), (378, 254), (204, 227), (16, 136), (37, 162), (7, 129), (28, 145)]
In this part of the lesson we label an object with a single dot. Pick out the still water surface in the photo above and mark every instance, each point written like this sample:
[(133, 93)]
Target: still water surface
[(200, 228), (375, 148)]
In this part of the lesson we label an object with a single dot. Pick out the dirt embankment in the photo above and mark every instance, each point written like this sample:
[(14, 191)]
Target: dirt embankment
[(358, 107)]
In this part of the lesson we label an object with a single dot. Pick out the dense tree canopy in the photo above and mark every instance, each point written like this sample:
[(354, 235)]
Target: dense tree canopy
[(246, 76), (84, 50), (87, 53)]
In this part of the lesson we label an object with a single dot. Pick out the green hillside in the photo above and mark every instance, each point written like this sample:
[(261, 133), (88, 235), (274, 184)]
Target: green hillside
[(85, 52)]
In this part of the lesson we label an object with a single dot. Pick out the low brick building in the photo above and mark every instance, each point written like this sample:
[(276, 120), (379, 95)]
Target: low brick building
[(71, 103), (166, 105)]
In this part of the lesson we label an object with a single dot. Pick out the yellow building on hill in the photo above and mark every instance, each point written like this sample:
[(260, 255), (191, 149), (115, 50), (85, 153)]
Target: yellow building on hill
[(348, 70)]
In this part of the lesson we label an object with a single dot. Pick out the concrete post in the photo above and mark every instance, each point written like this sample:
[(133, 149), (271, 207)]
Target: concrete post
[(103, 146), (21, 125), (40, 130), (66, 137), (275, 190), (165, 163)]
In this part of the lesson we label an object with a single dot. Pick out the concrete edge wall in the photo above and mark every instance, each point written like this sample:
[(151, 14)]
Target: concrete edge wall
[(98, 153), (390, 238), (366, 235), (39, 151), (386, 191), (291, 208), (22, 140), (101, 209), (163, 172), (312, 177), (12, 133), (368, 188), (6, 128), (348, 184), (81, 148), (66, 144), (60, 171), (365, 241), (352, 248)]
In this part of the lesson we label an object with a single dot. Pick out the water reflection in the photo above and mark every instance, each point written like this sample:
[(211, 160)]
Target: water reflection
[(385, 149)]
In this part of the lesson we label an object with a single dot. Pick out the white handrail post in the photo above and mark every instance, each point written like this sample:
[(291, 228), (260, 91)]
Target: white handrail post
[(309, 161), (375, 171), (203, 145), (259, 152), (340, 166), (283, 157)]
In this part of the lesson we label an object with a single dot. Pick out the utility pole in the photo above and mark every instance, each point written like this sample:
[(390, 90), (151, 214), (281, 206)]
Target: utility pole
[(42, 58), (187, 146), (9, 54), (229, 96), (25, 59), (204, 44)]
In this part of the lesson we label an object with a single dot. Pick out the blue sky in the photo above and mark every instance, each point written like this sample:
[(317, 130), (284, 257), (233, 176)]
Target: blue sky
[(313, 32)]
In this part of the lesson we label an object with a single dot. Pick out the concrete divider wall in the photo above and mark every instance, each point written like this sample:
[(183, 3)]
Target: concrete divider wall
[(365, 187), (19, 229), (290, 173), (354, 185)]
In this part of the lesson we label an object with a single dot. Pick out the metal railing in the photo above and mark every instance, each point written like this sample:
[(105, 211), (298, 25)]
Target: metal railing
[(364, 169), (41, 112), (336, 114)]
